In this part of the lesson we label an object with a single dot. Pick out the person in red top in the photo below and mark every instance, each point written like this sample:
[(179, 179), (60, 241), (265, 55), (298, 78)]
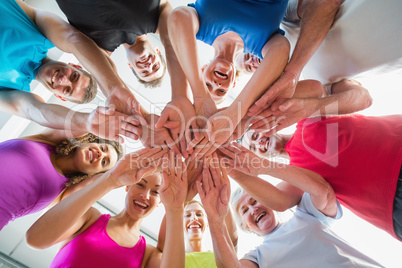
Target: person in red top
[(359, 156)]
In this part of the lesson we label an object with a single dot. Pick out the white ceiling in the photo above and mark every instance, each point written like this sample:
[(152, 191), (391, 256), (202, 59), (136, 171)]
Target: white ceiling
[(12, 244)]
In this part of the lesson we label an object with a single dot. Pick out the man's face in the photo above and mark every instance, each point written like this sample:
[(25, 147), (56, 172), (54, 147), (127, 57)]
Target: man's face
[(64, 80), (258, 218), (248, 62), (147, 64), (261, 145)]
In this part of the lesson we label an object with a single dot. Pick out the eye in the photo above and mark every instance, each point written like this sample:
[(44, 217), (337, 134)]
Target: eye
[(252, 147), (222, 92), (255, 136), (254, 202), (103, 162), (244, 211), (156, 192), (67, 91), (200, 214), (75, 76), (208, 85), (155, 67), (187, 215), (140, 185), (102, 148)]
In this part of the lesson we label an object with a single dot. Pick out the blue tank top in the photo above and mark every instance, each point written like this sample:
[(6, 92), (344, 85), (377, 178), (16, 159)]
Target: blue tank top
[(255, 21), (22, 47)]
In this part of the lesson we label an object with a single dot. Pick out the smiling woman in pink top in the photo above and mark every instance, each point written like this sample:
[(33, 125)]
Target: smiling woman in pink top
[(36, 169), (91, 239)]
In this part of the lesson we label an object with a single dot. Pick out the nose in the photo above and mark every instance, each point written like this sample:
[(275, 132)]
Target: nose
[(145, 195), (254, 210), (193, 217), (217, 83)]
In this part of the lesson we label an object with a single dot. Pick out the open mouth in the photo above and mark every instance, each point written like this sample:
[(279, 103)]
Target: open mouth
[(140, 205), (221, 75), (90, 156), (257, 220), (194, 227), (53, 79)]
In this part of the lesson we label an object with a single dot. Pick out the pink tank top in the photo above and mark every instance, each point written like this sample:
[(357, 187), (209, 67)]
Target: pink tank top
[(95, 248), (28, 180)]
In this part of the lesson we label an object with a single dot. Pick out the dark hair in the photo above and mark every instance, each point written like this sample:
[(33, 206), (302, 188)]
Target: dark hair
[(155, 83), (90, 91), (69, 146)]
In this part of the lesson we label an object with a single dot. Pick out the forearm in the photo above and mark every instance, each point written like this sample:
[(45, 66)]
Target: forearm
[(224, 251), (173, 254), (306, 180), (263, 191), (276, 54), (67, 217), (317, 17), (231, 228), (347, 97), (182, 26), (178, 78)]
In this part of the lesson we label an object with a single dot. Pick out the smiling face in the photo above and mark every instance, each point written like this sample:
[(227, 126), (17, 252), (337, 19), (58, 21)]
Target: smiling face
[(93, 158), (146, 63), (143, 197), (219, 77), (261, 145), (258, 218), (64, 80), (248, 62), (195, 221)]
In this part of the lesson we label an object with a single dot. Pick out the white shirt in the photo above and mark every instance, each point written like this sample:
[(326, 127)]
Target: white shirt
[(307, 241)]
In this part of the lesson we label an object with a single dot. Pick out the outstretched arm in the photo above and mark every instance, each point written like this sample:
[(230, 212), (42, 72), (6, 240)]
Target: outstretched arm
[(74, 214), (214, 193), (347, 96), (103, 122), (317, 17), (322, 194)]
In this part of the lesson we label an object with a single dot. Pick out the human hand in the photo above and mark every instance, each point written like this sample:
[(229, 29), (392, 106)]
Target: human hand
[(286, 112), (219, 128), (174, 185), (124, 101), (152, 136), (109, 124), (179, 110), (132, 167), (214, 191), (243, 160), (284, 87), (194, 173)]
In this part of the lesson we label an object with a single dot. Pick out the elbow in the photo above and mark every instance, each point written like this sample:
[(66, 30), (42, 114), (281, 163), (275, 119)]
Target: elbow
[(33, 240), (179, 16)]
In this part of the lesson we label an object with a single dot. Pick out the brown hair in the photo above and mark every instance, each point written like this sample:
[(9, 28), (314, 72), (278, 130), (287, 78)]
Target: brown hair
[(155, 83), (69, 146), (91, 90)]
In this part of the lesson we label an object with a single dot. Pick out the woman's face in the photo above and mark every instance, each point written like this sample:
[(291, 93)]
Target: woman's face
[(261, 145), (258, 218), (143, 197), (93, 158), (195, 221), (219, 77)]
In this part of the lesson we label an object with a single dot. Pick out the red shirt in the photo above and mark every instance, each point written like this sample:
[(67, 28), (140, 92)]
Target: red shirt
[(359, 156)]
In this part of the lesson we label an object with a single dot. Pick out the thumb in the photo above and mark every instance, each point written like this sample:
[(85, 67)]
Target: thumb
[(285, 106), (162, 120)]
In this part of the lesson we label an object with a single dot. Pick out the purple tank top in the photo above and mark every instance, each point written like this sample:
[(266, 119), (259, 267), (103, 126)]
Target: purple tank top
[(28, 179), (95, 248)]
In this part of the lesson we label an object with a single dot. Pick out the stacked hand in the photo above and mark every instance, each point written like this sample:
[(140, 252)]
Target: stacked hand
[(173, 190), (134, 166)]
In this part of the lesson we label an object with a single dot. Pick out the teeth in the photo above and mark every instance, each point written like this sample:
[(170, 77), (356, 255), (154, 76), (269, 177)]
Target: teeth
[(91, 156), (54, 76), (140, 204), (221, 75), (194, 226), (259, 217)]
